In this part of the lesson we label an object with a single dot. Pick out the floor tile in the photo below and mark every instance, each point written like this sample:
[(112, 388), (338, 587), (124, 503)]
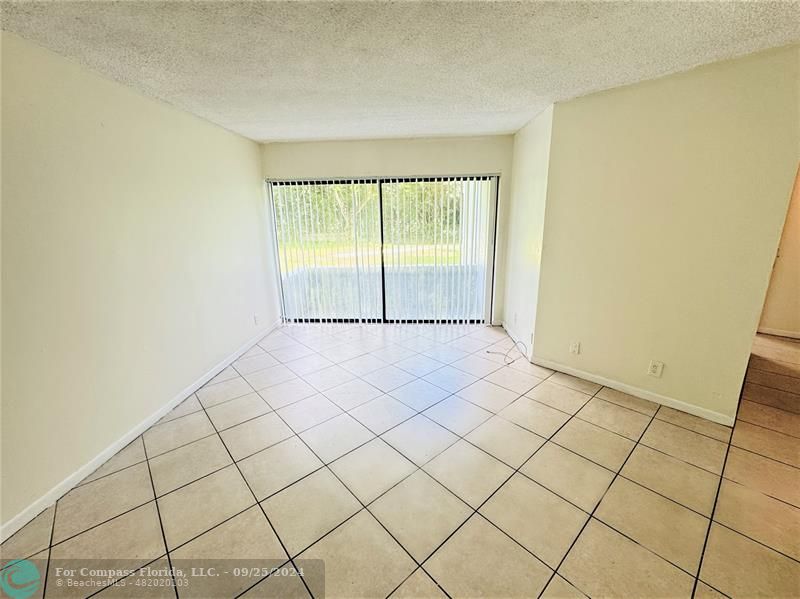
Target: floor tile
[(286, 393), (622, 421), (327, 378), (512, 379), (419, 365), (763, 474), (418, 586), (457, 415), (254, 435), (308, 364), (685, 445), (282, 585), (225, 374), (603, 563), (419, 439), (760, 517), (195, 508), (505, 440), (211, 395), (308, 412), (766, 442), (343, 352), (276, 340), (335, 437), (468, 472), (740, 567), (476, 365), (310, 508), (419, 394), (244, 541), (574, 478), (269, 377), (688, 485), (188, 463), (559, 397), (374, 571), (372, 469), (363, 364), (648, 408), (537, 519), (172, 434), (353, 393), (703, 591), (278, 466), (256, 350), (445, 354), (597, 444), (469, 344), (534, 416), (573, 382), (231, 413), (30, 539), (382, 413), (488, 395), (128, 541), (188, 406), (523, 365), (772, 418), (388, 378), (255, 362), (131, 454), (151, 581), (662, 526), (450, 379), (95, 502), (393, 354), (420, 513), (289, 353), (480, 561), (558, 588), (693, 423)]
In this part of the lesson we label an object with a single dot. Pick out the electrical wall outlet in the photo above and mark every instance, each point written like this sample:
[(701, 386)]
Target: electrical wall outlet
[(655, 368), (575, 347), (256, 319)]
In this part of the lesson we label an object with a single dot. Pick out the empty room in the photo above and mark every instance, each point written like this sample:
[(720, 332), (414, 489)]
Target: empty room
[(367, 299)]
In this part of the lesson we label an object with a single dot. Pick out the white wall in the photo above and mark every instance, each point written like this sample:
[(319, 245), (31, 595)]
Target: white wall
[(526, 218), (402, 157), (664, 209), (781, 314), (133, 258)]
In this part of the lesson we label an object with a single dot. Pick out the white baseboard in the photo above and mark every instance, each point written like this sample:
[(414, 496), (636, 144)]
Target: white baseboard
[(641, 393), (58, 491), (780, 333)]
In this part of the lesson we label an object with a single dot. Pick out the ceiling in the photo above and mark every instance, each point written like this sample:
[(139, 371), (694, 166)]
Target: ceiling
[(276, 71)]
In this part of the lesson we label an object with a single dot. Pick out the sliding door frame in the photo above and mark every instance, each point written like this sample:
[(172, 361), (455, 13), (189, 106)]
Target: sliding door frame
[(491, 242)]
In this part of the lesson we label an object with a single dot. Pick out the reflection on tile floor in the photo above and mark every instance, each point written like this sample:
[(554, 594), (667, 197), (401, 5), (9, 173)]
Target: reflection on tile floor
[(415, 463)]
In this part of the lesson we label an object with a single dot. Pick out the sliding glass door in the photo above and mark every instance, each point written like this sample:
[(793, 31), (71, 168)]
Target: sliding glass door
[(386, 250)]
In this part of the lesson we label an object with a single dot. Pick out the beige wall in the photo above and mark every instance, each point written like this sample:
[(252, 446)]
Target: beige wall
[(781, 314), (664, 209), (526, 226), (133, 253), (402, 157)]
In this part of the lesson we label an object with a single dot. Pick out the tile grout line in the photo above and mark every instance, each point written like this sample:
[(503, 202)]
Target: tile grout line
[(160, 522), (591, 514), (50, 550), (269, 522), (711, 519)]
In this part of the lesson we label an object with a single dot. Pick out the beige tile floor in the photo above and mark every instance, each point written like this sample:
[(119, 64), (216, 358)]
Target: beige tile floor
[(416, 464)]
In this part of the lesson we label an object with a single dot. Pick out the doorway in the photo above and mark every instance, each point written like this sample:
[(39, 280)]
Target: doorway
[(394, 250)]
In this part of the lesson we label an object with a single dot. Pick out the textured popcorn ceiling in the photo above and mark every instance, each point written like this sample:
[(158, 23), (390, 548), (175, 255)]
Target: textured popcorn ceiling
[(334, 70)]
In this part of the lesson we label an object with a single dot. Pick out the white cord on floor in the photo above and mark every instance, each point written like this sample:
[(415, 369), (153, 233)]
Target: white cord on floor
[(507, 353)]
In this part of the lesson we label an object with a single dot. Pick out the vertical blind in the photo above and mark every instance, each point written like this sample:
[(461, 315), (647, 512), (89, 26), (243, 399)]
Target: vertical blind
[(385, 250)]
